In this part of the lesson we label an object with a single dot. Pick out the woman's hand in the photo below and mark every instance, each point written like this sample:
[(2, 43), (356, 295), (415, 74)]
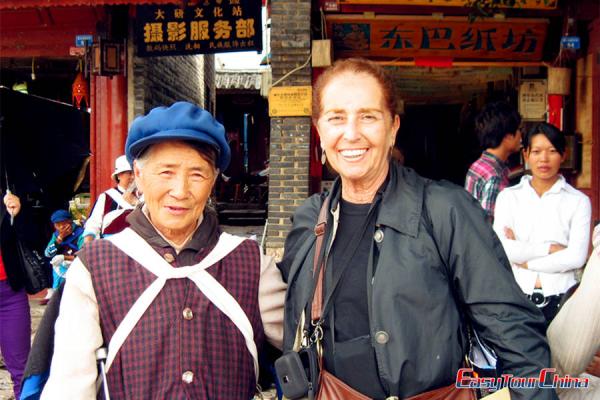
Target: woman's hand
[(12, 203), (510, 235), (554, 247)]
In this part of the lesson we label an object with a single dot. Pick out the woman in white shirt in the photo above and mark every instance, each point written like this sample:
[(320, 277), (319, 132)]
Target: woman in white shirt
[(543, 222)]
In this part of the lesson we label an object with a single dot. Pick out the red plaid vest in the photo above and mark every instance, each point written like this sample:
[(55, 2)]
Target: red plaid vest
[(170, 344)]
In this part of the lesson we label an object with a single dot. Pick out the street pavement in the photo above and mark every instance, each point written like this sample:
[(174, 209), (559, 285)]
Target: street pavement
[(37, 310)]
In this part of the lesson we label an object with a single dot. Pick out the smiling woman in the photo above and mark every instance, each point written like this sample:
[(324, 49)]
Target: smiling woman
[(390, 253), (357, 125)]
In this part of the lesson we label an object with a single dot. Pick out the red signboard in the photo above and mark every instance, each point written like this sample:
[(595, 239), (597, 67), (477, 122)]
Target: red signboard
[(404, 37)]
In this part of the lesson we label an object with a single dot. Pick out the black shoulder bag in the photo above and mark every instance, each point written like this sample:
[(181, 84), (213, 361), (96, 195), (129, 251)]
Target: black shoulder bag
[(35, 268)]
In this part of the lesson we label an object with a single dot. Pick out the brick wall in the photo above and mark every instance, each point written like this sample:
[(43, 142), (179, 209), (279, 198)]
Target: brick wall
[(158, 81), (290, 136)]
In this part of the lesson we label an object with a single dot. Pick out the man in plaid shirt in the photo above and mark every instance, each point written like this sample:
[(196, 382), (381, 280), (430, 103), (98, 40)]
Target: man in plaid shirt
[(497, 127)]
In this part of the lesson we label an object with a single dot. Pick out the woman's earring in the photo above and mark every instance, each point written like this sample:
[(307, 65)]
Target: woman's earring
[(323, 157)]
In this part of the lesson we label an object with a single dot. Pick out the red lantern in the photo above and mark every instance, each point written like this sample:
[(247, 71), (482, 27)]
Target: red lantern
[(80, 91)]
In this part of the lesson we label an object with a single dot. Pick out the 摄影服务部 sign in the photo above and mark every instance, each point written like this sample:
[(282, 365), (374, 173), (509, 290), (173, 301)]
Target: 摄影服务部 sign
[(209, 26)]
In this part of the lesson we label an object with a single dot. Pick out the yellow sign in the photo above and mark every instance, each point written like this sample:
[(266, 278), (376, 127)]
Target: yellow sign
[(290, 101)]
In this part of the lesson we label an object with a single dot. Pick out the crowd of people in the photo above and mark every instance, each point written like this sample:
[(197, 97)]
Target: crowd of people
[(385, 280)]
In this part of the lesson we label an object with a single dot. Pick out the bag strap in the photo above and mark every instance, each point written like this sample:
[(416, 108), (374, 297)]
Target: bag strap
[(317, 301)]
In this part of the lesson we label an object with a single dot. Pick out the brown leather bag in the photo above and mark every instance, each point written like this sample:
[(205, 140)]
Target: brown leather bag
[(332, 388), (450, 392)]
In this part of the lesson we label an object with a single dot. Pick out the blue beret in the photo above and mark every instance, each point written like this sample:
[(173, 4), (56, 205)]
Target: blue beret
[(181, 121), (60, 215)]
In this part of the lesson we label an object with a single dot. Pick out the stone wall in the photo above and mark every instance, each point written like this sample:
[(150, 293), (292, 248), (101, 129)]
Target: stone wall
[(290, 136)]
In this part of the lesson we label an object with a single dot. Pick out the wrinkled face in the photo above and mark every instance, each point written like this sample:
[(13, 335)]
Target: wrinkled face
[(125, 179), (543, 159), (176, 181), (356, 129), (64, 228)]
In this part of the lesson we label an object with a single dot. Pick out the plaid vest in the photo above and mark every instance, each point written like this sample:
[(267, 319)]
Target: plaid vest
[(183, 347)]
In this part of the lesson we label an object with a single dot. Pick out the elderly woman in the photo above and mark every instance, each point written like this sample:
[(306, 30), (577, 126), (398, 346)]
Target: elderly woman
[(407, 261), (181, 306)]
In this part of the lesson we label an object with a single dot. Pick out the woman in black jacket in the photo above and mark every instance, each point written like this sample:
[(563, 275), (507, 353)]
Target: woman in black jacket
[(407, 261), (15, 319)]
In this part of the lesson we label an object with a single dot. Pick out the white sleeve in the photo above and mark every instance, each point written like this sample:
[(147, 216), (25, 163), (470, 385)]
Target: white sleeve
[(77, 336), (517, 251), (271, 296), (93, 225), (574, 255), (574, 334)]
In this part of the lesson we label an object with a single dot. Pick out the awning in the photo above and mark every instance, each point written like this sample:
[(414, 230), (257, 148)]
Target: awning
[(16, 4)]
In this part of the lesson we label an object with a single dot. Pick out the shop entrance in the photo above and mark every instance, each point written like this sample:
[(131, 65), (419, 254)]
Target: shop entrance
[(433, 142), (436, 136)]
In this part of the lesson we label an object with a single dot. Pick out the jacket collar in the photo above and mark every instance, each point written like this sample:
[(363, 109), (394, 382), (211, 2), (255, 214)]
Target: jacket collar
[(402, 201), (205, 236)]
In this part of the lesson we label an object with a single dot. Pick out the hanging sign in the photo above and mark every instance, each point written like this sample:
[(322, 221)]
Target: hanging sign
[(290, 101), (409, 37), (210, 26), (83, 40), (532, 100), (570, 42)]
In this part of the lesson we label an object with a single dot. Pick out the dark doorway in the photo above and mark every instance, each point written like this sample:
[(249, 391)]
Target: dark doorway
[(436, 142)]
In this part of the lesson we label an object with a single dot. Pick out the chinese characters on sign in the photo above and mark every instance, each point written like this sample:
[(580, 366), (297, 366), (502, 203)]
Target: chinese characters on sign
[(532, 100), (290, 101), (454, 37), (209, 26)]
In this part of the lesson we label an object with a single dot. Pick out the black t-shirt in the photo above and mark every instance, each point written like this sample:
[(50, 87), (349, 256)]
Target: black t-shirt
[(349, 345), (350, 302)]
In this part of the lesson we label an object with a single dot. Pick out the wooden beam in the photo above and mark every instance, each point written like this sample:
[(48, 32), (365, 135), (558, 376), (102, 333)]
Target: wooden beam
[(459, 64)]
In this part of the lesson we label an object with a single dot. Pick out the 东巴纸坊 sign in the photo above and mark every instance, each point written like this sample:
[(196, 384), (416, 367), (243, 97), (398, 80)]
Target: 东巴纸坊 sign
[(207, 27), (409, 37)]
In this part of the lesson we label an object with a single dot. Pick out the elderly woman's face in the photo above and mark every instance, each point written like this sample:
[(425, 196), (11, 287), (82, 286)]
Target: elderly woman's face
[(356, 129), (176, 181)]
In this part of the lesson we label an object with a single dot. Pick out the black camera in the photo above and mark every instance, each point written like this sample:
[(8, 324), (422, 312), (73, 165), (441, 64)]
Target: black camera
[(298, 373)]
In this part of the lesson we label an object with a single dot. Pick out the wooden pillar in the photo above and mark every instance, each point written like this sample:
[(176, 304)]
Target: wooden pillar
[(108, 129)]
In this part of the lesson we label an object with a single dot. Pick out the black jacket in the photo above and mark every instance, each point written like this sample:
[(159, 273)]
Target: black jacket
[(439, 259), (8, 242)]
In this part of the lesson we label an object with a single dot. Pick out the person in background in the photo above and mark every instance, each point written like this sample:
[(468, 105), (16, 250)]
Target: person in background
[(66, 240), (543, 222), (574, 334), (115, 198), (407, 261), (182, 306), (497, 127), (15, 318)]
